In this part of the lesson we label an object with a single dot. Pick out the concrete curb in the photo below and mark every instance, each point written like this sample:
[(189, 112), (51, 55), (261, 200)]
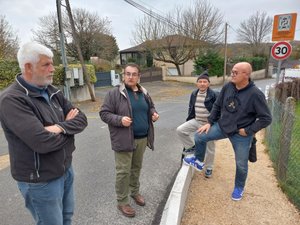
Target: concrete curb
[(175, 205)]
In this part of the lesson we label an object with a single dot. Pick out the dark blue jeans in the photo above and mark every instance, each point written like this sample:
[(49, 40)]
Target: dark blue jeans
[(50, 203), (240, 144)]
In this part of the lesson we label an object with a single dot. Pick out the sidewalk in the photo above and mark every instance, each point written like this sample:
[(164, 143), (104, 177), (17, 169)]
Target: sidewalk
[(209, 200)]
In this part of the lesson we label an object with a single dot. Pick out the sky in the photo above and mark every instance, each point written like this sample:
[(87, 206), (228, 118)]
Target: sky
[(23, 16)]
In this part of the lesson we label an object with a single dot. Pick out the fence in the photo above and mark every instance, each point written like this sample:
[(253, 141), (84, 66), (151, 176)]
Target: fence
[(151, 74), (283, 140), (103, 79)]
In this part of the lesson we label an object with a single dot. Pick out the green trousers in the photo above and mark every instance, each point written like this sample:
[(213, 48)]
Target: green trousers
[(128, 168)]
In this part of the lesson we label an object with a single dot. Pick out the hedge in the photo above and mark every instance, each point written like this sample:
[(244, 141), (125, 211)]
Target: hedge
[(257, 63), (59, 73), (9, 69)]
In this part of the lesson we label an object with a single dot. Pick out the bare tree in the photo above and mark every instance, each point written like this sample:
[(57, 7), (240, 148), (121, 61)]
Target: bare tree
[(106, 47), (181, 35), (48, 35), (201, 21), (94, 33), (255, 31), (9, 42)]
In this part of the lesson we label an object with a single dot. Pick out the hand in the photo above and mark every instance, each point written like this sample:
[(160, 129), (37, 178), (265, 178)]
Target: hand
[(126, 121), (155, 117), (72, 113), (205, 128), (242, 132), (54, 129)]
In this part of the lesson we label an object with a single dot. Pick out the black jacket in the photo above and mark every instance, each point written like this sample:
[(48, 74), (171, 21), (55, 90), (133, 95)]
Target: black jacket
[(37, 155), (245, 108), (210, 98)]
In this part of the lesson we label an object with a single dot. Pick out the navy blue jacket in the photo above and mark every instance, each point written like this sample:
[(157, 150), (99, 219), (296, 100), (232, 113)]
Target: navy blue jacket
[(210, 98), (245, 108)]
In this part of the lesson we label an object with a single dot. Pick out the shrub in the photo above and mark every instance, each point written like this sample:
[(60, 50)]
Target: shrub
[(211, 62), (8, 72), (58, 78), (257, 63), (102, 67)]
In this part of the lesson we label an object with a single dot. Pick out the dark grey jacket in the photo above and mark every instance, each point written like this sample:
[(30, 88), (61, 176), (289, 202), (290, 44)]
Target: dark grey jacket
[(116, 105), (210, 98), (245, 108), (36, 155)]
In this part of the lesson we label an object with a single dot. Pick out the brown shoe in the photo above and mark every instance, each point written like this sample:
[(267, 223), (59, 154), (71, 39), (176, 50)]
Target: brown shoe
[(127, 210), (139, 199)]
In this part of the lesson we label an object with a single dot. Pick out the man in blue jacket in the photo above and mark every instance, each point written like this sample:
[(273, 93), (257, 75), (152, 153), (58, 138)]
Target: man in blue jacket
[(239, 112), (39, 125)]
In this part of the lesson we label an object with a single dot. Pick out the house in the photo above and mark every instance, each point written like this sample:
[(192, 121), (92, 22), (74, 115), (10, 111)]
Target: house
[(173, 48), (135, 54)]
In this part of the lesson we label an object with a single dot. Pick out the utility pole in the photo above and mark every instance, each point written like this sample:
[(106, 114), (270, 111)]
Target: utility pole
[(63, 52), (225, 54), (77, 44)]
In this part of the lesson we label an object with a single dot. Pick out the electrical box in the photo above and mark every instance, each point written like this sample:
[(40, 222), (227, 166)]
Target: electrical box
[(115, 78), (76, 73), (68, 74)]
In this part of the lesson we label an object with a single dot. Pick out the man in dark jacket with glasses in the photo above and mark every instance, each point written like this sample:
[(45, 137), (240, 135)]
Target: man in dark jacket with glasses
[(240, 111)]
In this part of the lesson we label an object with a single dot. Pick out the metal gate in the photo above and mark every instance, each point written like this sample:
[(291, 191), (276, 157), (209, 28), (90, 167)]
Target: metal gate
[(103, 79)]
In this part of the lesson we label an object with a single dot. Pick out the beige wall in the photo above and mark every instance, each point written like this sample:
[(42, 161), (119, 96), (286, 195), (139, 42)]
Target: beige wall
[(256, 75), (186, 69)]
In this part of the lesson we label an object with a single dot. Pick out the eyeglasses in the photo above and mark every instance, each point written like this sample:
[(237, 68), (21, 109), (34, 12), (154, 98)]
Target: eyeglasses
[(234, 72), (128, 74)]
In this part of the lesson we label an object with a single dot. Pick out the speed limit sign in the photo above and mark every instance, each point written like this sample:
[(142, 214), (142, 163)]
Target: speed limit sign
[(281, 50)]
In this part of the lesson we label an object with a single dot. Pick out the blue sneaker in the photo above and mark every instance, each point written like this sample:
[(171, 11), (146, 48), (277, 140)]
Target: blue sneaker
[(189, 151), (192, 161), (237, 194), (188, 159)]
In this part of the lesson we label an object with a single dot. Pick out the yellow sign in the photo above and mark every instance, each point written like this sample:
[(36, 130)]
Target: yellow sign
[(284, 27)]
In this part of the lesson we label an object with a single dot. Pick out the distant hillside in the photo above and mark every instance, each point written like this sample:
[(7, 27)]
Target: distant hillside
[(244, 50)]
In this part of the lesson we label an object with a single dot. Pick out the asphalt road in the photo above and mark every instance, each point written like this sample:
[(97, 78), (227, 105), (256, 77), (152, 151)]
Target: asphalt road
[(94, 166), (94, 170)]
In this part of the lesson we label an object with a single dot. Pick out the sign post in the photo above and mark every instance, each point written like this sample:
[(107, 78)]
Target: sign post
[(280, 51), (283, 30)]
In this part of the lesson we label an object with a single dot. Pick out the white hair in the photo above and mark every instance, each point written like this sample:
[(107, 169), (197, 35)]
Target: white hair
[(31, 52)]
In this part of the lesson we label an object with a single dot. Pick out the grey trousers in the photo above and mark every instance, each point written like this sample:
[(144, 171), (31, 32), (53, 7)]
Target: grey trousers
[(186, 133), (128, 168)]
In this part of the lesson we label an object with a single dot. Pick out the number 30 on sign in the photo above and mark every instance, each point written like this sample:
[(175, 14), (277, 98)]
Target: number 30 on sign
[(281, 50)]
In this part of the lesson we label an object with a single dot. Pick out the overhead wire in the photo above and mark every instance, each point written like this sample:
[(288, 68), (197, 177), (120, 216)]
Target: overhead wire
[(153, 14), (232, 28)]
